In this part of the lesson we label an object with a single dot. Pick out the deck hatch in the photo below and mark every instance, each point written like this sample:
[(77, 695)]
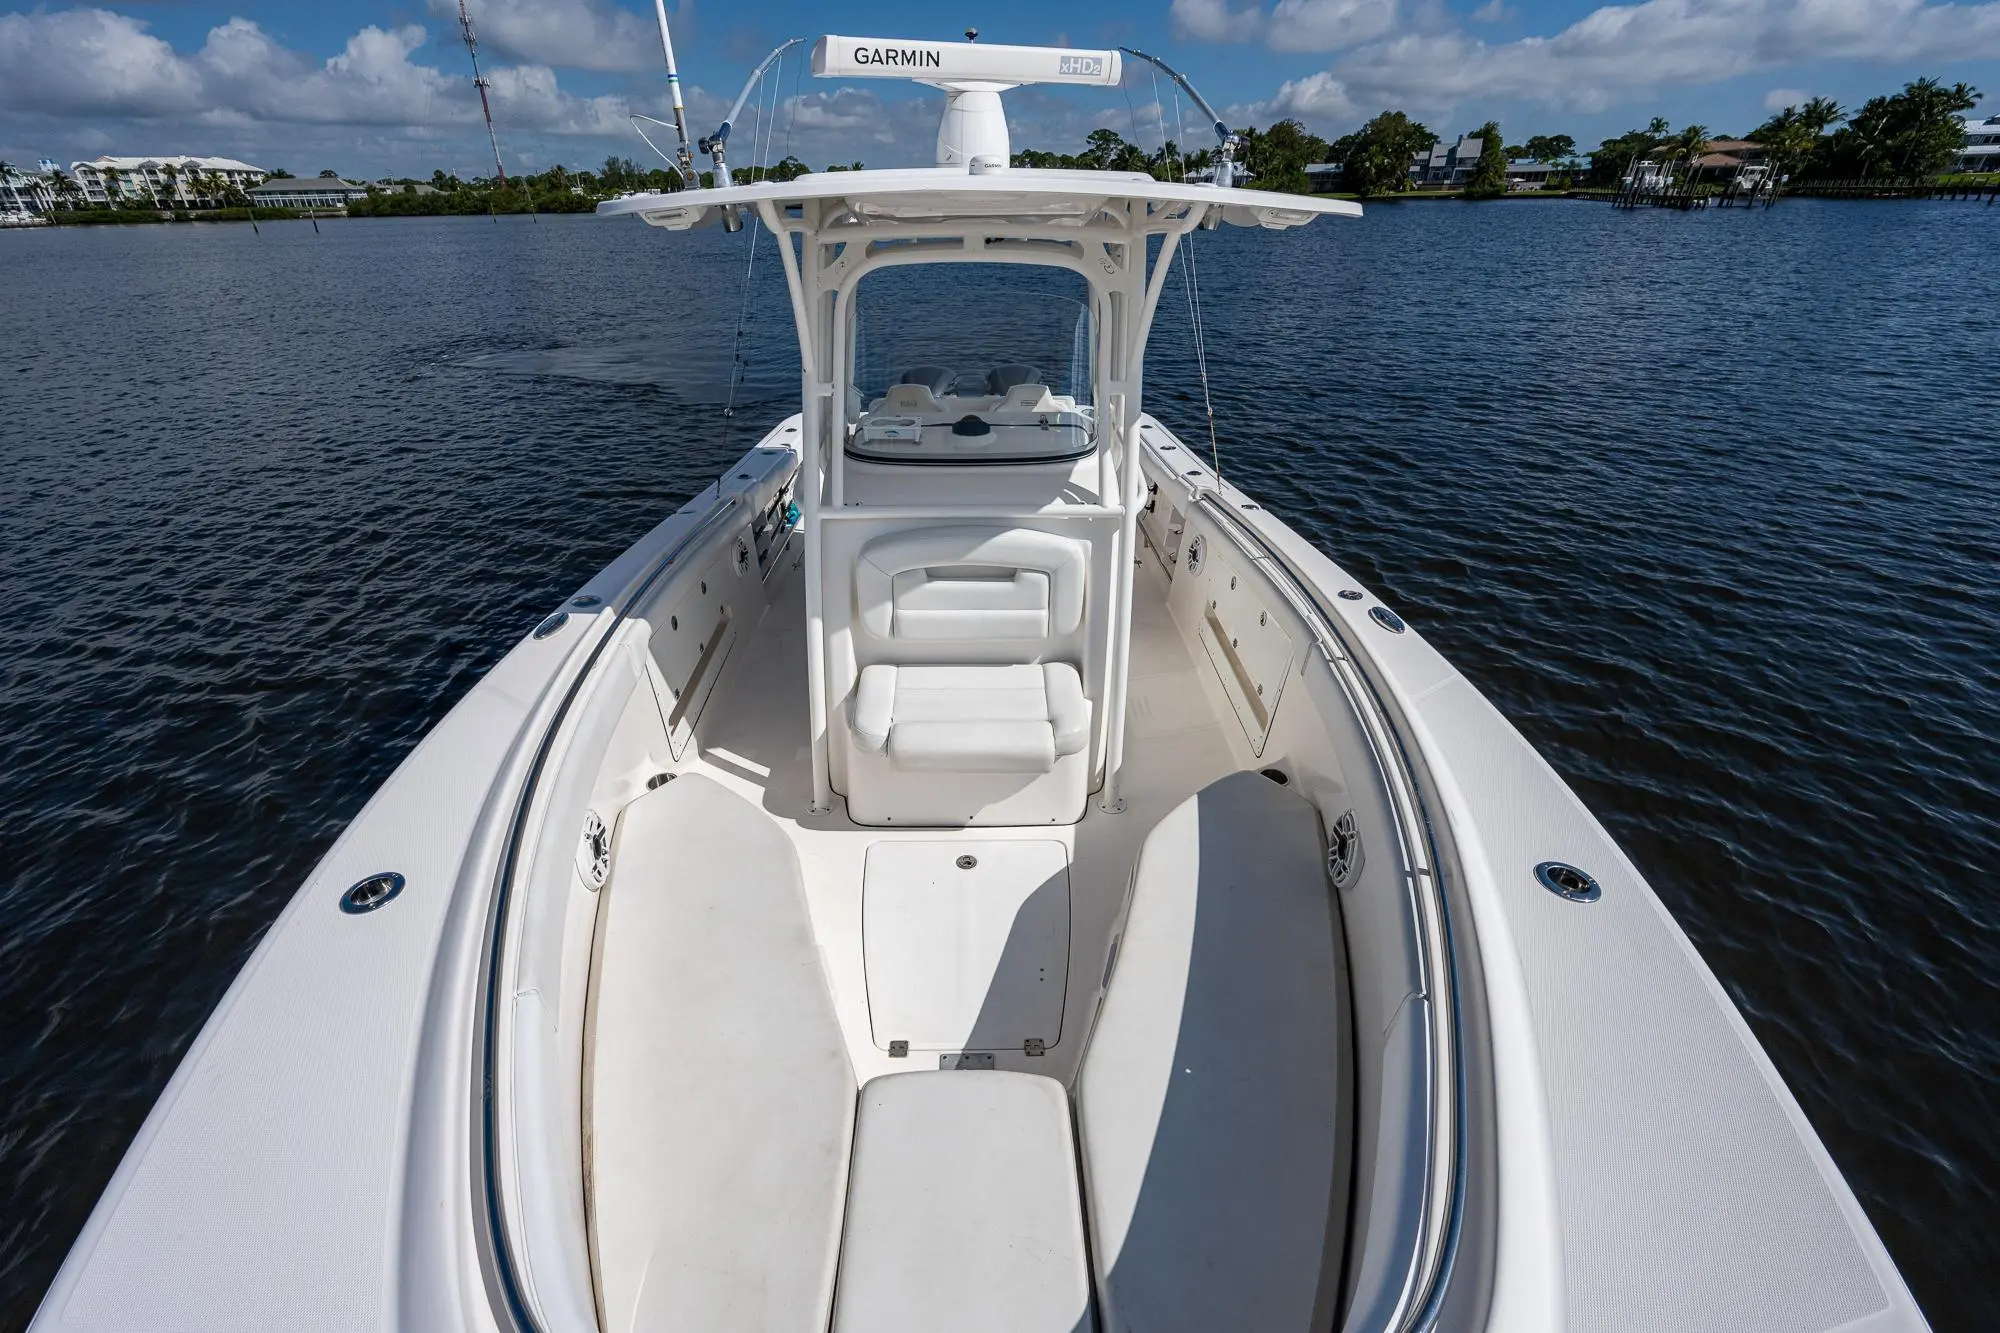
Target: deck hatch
[(966, 958)]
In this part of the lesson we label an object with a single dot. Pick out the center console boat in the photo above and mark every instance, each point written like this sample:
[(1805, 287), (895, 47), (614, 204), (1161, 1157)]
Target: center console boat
[(975, 868)]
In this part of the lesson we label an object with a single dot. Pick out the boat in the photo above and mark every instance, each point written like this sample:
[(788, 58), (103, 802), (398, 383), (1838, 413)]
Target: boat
[(974, 867)]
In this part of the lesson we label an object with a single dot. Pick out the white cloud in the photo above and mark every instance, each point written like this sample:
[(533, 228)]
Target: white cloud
[(91, 61), (95, 63), (1215, 21), (1328, 25), (1317, 99), (845, 124), (570, 34), (1621, 51), (1410, 53), (1780, 98), (1293, 25)]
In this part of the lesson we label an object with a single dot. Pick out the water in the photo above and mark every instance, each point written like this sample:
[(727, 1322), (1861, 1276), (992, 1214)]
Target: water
[(1708, 504)]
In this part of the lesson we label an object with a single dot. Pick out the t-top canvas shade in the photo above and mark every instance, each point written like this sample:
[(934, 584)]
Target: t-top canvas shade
[(943, 195)]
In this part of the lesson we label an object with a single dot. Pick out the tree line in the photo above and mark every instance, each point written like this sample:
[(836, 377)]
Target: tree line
[(556, 190), (1911, 134)]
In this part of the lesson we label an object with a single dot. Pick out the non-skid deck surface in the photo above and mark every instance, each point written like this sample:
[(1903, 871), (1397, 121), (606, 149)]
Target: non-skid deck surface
[(755, 743)]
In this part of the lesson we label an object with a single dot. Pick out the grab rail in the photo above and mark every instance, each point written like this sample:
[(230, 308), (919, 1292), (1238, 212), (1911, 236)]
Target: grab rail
[(925, 513), (497, 1233), (1443, 1212)]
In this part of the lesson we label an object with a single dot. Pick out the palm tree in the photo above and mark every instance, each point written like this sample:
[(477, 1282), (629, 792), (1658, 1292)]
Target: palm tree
[(1821, 114), (172, 173), (7, 179), (1788, 139), (114, 190), (1690, 143)]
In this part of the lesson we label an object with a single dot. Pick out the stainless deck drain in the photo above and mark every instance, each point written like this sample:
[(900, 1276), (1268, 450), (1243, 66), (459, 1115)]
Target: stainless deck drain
[(1566, 881), (371, 893)]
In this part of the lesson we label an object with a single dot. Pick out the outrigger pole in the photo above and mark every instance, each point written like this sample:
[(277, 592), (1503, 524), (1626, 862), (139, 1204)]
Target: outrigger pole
[(1225, 167), (479, 82), (685, 155), (716, 145)]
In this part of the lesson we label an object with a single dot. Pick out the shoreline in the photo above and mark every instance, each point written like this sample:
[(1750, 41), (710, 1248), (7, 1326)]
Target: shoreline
[(1959, 188)]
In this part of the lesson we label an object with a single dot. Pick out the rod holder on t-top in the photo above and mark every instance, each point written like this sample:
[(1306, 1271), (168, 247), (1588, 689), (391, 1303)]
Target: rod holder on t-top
[(973, 132), (1225, 160)]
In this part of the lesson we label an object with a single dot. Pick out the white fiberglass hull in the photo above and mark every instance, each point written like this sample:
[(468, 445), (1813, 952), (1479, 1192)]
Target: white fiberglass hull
[(1559, 1119)]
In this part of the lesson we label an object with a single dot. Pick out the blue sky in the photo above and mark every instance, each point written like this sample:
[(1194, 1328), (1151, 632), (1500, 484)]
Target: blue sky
[(376, 87)]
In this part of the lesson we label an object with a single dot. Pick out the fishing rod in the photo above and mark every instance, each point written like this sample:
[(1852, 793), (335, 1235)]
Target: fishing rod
[(684, 156)]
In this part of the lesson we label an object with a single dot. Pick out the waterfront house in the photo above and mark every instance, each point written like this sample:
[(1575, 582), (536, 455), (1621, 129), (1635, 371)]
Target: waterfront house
[(1982, 146), (318, 193), (1325, 177), (1446, 166), (25, 195), (108, 180), (1527, 174), (1732, 160)]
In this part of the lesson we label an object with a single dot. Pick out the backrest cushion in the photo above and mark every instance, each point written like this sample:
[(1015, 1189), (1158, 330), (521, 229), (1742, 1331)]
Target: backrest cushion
[(1005, 378), (970, 583), (909, 398), (935, 378)]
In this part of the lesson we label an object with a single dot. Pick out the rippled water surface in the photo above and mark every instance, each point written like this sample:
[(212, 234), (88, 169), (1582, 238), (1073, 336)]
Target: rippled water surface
[(1708, 504)]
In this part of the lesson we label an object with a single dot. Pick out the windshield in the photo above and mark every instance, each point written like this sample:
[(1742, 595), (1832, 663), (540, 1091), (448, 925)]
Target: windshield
[(972, 331)]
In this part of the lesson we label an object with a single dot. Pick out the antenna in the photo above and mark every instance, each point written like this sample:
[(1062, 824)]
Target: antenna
[(973, 131), (684, 155), (479, 82)]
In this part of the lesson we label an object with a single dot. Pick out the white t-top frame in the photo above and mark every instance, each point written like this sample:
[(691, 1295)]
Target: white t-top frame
[(836, 228)]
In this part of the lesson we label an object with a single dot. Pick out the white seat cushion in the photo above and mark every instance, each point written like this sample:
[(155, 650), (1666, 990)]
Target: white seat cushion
[(721, 1100), (969, 604), (963, 1211), (970, 583), (1213, 1097), (972, 719)]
